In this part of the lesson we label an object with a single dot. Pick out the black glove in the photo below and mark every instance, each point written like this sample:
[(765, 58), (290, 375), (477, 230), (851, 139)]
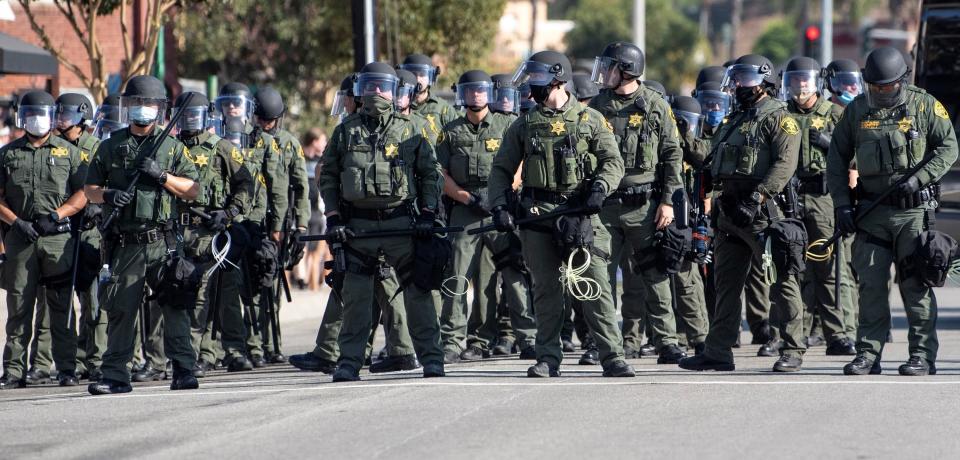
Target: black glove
[(909, 187), (152, 169), (49, 224), (846, 221), (218, 220), (503, 220), (476, 205), (745, 211), (336, 231), (295, 248), (92, 215), (820, 139), (26, 230), (424, 224), (594, 201), (117, 198)]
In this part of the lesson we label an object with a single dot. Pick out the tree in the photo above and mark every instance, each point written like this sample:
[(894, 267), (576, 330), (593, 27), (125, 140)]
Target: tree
[(777, 42), (82, 16)]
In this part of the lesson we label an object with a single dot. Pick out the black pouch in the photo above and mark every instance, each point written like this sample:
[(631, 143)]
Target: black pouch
[(571, 232), (175, 283), (673, 244), (240, 242), (431, 258), (788, 241), (265, 263), (932, 258), (89, 267)]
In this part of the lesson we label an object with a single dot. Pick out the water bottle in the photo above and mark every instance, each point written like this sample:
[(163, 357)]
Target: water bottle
[(104, 274), (700, 238)]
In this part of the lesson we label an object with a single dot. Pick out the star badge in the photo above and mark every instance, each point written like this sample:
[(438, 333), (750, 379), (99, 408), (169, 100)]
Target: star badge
[(391, 151), (558, 127), (904, 124), (195, 220), (817, 123), (635, 120), (492, 144), (201, 160)]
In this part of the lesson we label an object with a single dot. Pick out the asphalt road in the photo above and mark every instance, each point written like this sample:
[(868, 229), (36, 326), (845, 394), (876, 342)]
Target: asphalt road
[(489, 409)]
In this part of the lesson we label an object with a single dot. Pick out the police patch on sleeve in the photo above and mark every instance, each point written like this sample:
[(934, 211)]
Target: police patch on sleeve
[(236, 156), (940, 111), (789, 126), (84, 156), (607, 125)]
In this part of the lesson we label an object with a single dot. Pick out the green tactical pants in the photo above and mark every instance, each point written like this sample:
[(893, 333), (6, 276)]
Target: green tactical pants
[(153, 354), (92, 335), (756, 293), (26, 264), (818, 281), (646, 295), (41, 355), (888, 235), (217, 307), (121, 298), (731, 255), (256, 303), (358, 294), (849, 295), (544, 260), (691, 305), (475, 258)]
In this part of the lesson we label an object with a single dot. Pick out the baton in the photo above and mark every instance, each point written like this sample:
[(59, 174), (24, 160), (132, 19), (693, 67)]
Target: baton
[(385, 234), (531, 219)]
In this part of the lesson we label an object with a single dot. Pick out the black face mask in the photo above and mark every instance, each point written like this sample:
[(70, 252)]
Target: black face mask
[(476, 108), (540, 93), (747, 97)]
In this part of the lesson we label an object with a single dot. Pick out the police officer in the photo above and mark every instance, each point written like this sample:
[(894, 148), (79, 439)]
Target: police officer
[(586, 89), (688, 283), (225, 187), (269, 111), (435, 110), (41, 181), (648, 140), (844, 81), (378, 171), (108, 117), (143, 235), (754, 155), (468, 147), (801, 88), (263, 219), (890, 127), (569, 161), (506, 97)]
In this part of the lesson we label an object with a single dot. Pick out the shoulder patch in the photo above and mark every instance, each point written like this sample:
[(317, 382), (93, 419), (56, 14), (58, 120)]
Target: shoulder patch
[(789, 126), (607, 125), (940, 111), (585, 116), (59, 152), (186, 153), (300, 151), (236, 156), (273, 144), (84, 156)]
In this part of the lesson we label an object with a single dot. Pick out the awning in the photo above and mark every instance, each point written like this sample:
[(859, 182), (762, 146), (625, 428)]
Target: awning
[(20, 57)]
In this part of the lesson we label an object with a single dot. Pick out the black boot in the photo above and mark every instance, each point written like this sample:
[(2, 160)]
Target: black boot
[(619, 368), (106, 387), (670, 354), (7, 383), (67, 379), (184, 380), (917, 366), (395, 364), (543, 370), (37, 377), (861, 365), (473, 353), (788, 363), (503, 347), (451, 357), (239, 364), (771, 348), (590, 357), (841, 347), (149, 374), (702, 363), (433, 370), (313, 363), (761, 333), (648, 349), (346, 374)]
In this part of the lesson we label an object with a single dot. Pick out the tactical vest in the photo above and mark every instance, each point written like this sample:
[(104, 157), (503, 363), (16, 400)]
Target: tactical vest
[(214, 188), (152, 204), (891, 141), (472, 152), (637, 129), (377, 167), (88, 146), (813, 160), (556, 150), (739, 155)]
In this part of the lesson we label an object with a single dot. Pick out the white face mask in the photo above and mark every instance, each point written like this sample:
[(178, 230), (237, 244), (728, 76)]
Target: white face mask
[(37, 125), (142, 114)]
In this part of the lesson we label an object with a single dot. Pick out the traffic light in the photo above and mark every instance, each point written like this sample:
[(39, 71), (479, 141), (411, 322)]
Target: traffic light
[(811, 41)]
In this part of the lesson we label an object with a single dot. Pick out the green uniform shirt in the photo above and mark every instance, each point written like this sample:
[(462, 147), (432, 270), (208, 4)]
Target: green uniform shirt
[(437, 112), (295, 165), (467, 150), (261, 157), (115, 164), (822, 117), (35, 181), (757, 148), (379, 163), (878, 139), (224, 182), (647, 135), (540, 140)]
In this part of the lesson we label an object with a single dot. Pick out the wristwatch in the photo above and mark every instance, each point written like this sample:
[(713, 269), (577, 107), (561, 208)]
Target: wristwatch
[(755, 196)]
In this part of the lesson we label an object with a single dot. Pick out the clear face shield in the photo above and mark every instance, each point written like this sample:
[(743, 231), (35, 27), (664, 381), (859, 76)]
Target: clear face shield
[(846, 86), (692, 120), (606, 72), (405, 94), (105, 127), (68, 116), (376, 84), (426, 74), (532, 73), (474, 95), (141, 110), (506, 99), (235, 108), (193, 120), (338, 107), (715, 106), (887, 95), (741, 76), (800, 85), (234, 131), (35, 119)]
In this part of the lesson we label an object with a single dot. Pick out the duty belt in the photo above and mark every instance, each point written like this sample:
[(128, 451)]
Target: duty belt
[(378, 214), (189, 220), (545, 196), (813, 185), (148, 237), (930, 193), (635, 195)]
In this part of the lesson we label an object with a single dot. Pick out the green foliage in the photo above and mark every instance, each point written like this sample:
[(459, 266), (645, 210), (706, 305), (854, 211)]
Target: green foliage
[(778, 41)]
